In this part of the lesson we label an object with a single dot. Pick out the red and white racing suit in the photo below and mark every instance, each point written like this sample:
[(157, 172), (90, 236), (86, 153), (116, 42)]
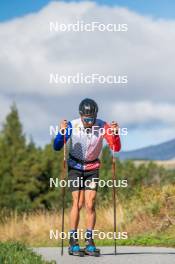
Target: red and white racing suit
[(85, 145)]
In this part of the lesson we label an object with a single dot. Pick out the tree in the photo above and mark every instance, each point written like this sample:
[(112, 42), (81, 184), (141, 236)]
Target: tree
[(12, 150)]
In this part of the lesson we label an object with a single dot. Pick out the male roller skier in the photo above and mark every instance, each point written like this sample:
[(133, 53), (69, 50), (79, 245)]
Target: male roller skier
[(85, 139)]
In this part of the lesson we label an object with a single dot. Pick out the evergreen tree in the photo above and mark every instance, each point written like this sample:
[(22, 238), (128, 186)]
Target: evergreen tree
[(12, 149)]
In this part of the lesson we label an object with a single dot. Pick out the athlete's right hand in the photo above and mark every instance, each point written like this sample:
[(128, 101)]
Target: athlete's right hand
[(63, 125)]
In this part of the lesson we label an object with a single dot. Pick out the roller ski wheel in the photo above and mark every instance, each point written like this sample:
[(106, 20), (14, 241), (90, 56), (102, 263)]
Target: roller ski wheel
[(79, 253), (95, 253), (74, 248), (91, 249)]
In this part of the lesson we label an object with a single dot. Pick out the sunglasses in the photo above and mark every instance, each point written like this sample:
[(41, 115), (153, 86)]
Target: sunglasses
[(89, 120)]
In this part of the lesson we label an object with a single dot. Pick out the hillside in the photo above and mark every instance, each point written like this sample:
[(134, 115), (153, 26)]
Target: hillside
[(163, 151)]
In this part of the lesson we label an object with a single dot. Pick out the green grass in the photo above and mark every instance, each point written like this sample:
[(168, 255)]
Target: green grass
[(142, 240), (148, 239), (17, 253), (157, 239)]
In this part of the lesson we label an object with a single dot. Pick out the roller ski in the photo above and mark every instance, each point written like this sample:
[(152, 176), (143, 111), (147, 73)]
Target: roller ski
[(91, 249), (74, 248)]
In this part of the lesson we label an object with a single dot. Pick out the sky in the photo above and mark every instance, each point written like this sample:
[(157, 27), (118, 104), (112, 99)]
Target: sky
[(29, 52), (156, 8)]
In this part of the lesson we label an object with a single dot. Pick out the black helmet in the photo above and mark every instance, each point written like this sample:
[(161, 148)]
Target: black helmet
[(88, 107)]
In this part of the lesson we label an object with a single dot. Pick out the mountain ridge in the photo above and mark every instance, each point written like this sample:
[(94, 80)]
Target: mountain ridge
[(162, 151)]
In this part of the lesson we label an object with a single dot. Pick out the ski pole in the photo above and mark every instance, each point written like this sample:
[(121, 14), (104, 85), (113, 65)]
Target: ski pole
[(63, 195), (114, 197)]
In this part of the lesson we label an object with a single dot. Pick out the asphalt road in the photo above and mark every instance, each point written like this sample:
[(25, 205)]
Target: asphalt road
[(125, 255)]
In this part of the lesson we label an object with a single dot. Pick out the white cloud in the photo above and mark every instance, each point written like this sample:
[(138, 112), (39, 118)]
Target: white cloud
[(146, 53), (4, 108), (29, 52), (144, 112)]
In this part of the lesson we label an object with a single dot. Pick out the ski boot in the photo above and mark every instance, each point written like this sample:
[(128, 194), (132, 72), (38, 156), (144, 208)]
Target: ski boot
[(91, 249), (74, 248)]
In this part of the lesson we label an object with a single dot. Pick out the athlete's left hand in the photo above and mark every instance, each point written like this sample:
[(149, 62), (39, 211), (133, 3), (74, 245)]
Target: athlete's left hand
[(115, 127)]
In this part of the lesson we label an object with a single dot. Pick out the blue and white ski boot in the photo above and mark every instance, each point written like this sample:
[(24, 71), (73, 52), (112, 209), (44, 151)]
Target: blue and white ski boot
[(74, 248), (91, 249)]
